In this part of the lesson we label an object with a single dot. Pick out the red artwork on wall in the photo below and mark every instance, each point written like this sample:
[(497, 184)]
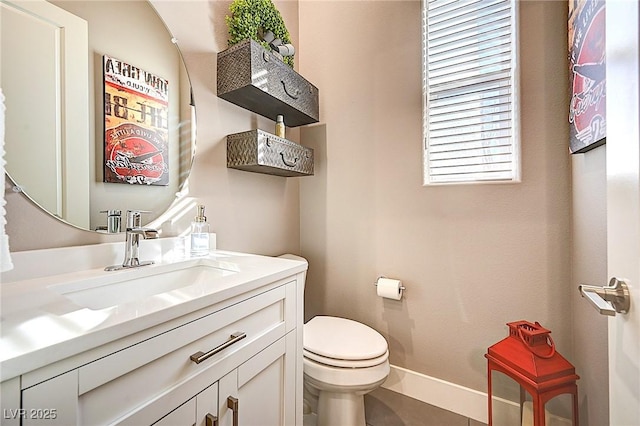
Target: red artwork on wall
[(136, 125), (587, 74)]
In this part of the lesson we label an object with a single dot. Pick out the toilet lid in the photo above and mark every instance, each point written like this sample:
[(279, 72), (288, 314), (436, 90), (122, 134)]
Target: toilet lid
[(342, 339)]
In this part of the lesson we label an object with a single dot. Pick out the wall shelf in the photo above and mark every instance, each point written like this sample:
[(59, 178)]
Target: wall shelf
[(254, 78), (261, 152)]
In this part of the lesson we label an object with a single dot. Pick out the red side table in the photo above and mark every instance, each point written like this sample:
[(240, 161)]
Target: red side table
[(529, 357)]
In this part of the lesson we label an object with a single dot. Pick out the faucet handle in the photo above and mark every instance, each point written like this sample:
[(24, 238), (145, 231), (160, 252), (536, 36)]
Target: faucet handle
[(113, 220), (134, 217)]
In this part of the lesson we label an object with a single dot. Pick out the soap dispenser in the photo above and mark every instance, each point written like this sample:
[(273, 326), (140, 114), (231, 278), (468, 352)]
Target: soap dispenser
[(200, 234)]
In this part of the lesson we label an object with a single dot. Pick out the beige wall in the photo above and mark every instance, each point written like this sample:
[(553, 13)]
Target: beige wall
[(473, 257)]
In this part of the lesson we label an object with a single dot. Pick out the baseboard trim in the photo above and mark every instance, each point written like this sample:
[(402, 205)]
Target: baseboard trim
[(450, 396)]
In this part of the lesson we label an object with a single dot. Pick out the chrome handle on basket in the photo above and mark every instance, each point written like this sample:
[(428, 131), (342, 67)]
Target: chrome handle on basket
[(608, 299), (232, 403), (295, 160), (200, 356), (295, 95)]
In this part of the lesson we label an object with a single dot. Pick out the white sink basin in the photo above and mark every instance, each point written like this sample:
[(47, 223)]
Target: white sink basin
[(144, 285)]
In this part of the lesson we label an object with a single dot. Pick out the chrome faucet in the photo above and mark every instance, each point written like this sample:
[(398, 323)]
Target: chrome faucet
[(132, 241)]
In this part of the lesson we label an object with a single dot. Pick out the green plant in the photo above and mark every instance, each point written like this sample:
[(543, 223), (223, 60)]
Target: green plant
[(252, 19)]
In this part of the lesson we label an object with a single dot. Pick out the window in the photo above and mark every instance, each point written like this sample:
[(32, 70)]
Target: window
[(470, 88)]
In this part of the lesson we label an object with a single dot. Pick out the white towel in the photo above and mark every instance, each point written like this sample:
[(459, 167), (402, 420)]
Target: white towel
[(5, 255)]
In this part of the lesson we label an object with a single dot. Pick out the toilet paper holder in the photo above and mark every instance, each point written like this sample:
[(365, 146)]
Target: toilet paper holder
[(401, 288)]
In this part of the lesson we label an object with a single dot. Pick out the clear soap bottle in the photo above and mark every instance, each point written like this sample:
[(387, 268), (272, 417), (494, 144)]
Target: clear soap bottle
[(200, 234)]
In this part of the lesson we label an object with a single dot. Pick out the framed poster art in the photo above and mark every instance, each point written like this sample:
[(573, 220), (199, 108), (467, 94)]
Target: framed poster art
[(136, 105), (587, 75)]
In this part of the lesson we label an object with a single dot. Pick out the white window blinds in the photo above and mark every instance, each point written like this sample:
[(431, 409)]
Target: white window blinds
[(470, 91)]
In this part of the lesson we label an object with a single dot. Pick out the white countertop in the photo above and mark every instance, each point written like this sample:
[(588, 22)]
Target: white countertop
[(39, 326)]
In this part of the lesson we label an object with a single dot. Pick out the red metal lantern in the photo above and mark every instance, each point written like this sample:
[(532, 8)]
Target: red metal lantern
[(529, 357)]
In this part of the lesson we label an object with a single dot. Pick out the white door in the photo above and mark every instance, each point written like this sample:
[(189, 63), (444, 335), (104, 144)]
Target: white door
[(45, 79), (623, 205)]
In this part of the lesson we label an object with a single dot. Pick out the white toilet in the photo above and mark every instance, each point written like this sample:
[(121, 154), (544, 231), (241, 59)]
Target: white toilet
[(343, 361)]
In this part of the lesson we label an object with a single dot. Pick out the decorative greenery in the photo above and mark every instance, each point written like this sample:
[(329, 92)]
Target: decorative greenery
[(252, 19)]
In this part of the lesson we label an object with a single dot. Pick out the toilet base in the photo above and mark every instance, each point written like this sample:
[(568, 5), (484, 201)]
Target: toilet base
[(340, 409), (334, 405)]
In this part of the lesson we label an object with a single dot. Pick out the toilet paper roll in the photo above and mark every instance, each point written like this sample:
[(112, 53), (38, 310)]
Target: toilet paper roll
[(389, 288)]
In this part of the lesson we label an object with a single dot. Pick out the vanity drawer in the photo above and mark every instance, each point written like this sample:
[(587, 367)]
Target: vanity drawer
[(113, 388)]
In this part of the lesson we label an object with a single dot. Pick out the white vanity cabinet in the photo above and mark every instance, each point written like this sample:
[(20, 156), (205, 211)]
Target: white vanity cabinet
[(250, 372), (10, 402)]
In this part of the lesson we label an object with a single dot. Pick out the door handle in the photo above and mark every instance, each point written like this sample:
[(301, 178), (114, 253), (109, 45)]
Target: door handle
[(609, 299)]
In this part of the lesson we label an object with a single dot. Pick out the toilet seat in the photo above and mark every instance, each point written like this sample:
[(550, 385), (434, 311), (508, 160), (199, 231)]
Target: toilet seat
[(341, 363), (340, 342), (342, 380)]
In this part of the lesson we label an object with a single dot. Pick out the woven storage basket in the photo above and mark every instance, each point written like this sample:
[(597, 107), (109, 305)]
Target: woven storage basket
[(262, 152), (254, 78)]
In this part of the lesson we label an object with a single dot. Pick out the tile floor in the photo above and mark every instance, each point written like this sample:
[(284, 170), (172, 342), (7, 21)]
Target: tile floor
[(387, 408)]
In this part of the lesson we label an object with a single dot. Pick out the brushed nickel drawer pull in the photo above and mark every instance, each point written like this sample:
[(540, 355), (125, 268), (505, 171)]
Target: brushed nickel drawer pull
[(200, 356), (232, 403), (211, 420)]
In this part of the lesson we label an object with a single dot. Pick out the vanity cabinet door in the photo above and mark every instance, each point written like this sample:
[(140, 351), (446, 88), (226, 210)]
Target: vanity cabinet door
[(184, 415), (10, 402), (53, 402), (207, 406), (201, 410), (262, 390)]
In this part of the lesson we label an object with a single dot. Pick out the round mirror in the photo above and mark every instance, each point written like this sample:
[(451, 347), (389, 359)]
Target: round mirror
[(99, 111)]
